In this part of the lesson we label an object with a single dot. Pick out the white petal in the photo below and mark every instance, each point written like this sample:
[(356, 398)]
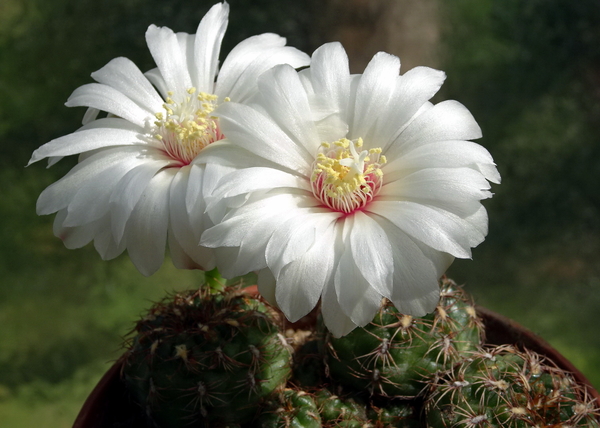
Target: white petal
[(158, 81), (59, 194), (105, 133), (417, 269), (240, 222), (179, 258), (441, 230), (110, 100), (123, 75), (296, 236), (224, 153), (241, 56), (282, 95), (127, 192), (252, 179), (336, 321), (250, 130), (208, 45), (444, 154), (448, 120), (300, 283), (104, 243), (167, 54), (373, 92), (146, 230), (372, 252), (457, 190), (330, 76), (413, 89), (357, 298), (184, 229), (248, 60), (73, 237)]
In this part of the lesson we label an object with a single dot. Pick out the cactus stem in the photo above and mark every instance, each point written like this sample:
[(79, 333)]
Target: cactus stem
[(215, 282)]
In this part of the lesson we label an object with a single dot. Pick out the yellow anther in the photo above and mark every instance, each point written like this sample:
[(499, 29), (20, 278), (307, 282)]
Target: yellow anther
[(191, 90)]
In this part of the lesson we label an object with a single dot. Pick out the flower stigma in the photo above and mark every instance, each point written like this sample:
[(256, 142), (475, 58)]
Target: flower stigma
[(344, 179), (186, 127)]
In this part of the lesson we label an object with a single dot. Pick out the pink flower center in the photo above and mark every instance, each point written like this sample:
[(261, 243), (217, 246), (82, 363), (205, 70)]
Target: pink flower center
[(344, 179), (187, 126)]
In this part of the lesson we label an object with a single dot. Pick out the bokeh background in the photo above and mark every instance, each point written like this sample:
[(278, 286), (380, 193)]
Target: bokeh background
[(529, 70)]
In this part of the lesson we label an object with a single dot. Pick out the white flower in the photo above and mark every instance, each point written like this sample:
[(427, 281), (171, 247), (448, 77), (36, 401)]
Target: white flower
[(349, 188), (140, 179)]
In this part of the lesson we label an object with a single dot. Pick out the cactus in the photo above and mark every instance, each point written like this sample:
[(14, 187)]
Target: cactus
[(396, 353), (218, 357), (506, 388), (396, 414), (343, 412), (207, 358), (291, 409)]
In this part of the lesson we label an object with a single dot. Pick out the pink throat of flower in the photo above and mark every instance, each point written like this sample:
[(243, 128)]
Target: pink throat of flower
[(345, 180)]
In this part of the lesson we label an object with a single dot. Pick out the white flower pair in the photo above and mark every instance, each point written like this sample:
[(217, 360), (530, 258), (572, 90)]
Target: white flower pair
[(339, 187)]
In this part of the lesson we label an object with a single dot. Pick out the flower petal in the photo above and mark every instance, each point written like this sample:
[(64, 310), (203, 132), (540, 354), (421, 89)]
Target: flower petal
[(413, 89), (252, 179), (357, 298), (249, 59), (336, 321), (444, 154), (73, 237), (330, 74), (127, 192), (296, 236), (417, 269), (167, 54), (373, 93), (208, 45), (282, 95), (441, 230), (255, 132), (59, 194), (146, 230), (185, 234), (457, 190), (312, 270), (123, 75), (448, 120), (372, 252), (101, 133), (110, 100)]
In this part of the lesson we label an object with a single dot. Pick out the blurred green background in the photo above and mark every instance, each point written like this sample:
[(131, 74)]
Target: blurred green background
[(529, 70)]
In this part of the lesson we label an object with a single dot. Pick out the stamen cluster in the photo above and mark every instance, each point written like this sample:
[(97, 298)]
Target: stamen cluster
[(187, 126), (344, 179)]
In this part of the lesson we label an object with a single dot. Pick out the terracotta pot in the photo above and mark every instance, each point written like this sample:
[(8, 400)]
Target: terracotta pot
[(109, 406)]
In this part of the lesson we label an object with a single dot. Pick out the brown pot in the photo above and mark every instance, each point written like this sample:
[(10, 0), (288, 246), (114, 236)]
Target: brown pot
[(109, 406)]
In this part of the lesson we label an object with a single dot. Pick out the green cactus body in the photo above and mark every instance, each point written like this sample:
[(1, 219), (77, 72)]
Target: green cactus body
[(396, 353), (505, 388), (308, 370), (396, 414), (291, 409), (341, 412), (202, 358)]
